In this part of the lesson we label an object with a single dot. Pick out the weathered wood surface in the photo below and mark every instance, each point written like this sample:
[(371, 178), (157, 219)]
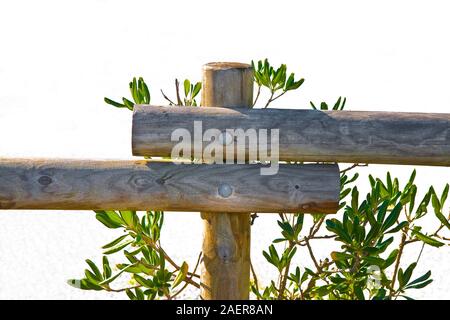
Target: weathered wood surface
[(141, 185), (310, 135), (225, 271)]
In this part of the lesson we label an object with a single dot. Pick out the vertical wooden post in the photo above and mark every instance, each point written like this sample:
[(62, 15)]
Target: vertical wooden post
[(226, 239)]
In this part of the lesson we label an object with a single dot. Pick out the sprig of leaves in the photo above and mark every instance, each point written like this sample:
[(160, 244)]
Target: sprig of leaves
[(366, 230), (153, 273), (338, 105), (274, 79), (190, 90), (139, 92)]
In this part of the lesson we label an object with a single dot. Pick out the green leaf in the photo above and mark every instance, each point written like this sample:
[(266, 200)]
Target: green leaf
[(106, 268), (128, 103), (413, 194), (389, 183), (382, 246), (288, 231), (91, 277), (109, 218), (298, 224), (359, 293), (113, 103), (344, 193), (400, 278), (128, 217), (133, 269), (114, 242), (145, 92), (435, 201), (297, 84), (272, 257), (437, 206), (382, 211), (143, 282), (340, 256), (343, 103), (422, 208), (375, 261), (114, 277), (381, 294), (187, 87), (289, 82), (412, 177), (197, 88), (398, 227), (444, 194), (94, 268), (336, 226), (134, 91), (408, 272), (83, 284), (392, 218), (442, 219), (355, 176), (337, 104), (277, 76), (139, 294), (130, 294), (420, 285), (390, 259), (181, 274), (427, 239), (355, 199), (118, 247), (420, 279)]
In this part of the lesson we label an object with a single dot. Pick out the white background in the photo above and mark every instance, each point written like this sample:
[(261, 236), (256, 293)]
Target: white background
[(58, 59)]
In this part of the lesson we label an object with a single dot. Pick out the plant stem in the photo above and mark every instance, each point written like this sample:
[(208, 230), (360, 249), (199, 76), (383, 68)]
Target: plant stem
[(284, 277), (353, 166), (167, 98), (271, 99), (150, 243), (397, 263), (193, 272), (177, 89), (122, 289), (313, 258), (255, 278), (257, 96)]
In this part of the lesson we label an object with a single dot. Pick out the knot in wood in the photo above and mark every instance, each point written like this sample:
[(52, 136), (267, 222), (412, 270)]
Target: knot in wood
[(225, 253), (45, 180)]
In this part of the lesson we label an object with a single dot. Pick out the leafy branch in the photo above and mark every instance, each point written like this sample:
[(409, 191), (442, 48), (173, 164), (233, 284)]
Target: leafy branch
[(275, 80)]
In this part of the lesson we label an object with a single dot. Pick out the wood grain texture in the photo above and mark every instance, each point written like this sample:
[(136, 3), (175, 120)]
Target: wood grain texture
[(226, 256), (310, 135), (225, 271), (142, 185)]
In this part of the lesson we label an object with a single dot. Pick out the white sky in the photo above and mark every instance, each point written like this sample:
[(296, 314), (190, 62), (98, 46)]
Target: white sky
[(59, 59)]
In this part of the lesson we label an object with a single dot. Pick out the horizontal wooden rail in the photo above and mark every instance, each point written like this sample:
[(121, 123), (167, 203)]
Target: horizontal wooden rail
[(309, 135), (145, 185)]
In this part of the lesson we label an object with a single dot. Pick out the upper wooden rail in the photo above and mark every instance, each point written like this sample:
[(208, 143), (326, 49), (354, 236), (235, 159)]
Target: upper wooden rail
[(146, 185), (309, 135)]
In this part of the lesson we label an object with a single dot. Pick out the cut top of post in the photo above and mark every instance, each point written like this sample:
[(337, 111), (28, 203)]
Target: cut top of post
[(226, 65), (227, 84)]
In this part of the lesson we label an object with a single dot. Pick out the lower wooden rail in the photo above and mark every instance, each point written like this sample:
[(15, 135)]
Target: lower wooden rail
[(145, 185)]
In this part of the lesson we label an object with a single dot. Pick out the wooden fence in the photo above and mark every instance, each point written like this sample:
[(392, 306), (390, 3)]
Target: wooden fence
[(226, 194)]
